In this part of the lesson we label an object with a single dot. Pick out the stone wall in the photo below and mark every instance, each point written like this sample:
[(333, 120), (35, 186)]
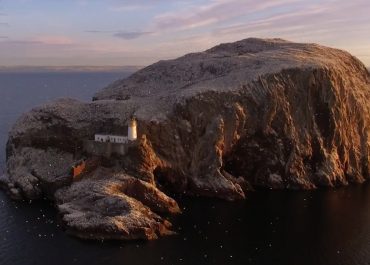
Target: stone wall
[(106, 149)]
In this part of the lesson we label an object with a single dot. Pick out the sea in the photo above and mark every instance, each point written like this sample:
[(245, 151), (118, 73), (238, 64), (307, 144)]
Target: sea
[(323, 227)]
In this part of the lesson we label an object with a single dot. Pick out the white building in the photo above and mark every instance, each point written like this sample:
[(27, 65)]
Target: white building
[(131, 135), (101, 138), (111, 138)]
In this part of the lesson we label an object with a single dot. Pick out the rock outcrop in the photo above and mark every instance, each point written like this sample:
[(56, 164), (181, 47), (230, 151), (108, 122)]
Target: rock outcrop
[(113, 205), (250, 114)]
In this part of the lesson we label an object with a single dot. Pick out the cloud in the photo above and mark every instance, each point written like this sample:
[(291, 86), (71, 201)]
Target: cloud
[(333, 23), (314, 22), (277, 22), (54, 40), (43, 40), (130, 35), (214, 12), (22, 42), (101, 31), (128, 8), (193, 17), (4, 37), (130, 5), (126, 35), (177, 27)]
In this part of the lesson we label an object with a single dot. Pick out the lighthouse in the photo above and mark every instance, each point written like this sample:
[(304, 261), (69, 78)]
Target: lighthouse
[(132, 130)]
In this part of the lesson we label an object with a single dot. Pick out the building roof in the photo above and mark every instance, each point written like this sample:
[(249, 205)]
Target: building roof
[(107, 134)]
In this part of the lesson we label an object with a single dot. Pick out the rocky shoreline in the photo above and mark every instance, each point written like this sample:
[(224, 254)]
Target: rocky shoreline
[(255, 113)]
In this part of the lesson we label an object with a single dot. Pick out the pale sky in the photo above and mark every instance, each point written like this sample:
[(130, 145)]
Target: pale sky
[(128, 32)]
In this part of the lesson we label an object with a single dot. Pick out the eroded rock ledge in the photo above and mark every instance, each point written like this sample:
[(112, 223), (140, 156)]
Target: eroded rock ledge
[(255, 113), (114, 205)]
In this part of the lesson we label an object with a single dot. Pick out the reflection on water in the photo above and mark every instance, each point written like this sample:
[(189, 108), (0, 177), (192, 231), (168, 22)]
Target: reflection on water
[(288, 228), (317, 227)]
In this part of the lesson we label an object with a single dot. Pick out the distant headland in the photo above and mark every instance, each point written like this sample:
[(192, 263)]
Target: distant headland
[(72, 69)]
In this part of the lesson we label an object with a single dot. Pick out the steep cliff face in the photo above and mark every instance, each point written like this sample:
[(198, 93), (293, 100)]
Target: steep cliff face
[(255, 113), (276, 113)]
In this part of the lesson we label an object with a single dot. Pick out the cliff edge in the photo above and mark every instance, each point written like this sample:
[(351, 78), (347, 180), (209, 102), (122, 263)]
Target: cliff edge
[(262, 113)]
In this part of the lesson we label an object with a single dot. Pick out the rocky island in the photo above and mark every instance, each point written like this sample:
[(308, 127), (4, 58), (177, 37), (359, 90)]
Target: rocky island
[(257, 113)]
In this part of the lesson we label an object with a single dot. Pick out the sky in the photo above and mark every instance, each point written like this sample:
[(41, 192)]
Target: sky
[(140, 32)]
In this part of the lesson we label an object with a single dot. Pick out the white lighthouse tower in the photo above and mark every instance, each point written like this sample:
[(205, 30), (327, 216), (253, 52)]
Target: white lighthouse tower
[(132, 130)]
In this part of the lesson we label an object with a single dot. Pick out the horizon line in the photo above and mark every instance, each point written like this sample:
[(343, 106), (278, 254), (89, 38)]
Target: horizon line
[(68, 68)]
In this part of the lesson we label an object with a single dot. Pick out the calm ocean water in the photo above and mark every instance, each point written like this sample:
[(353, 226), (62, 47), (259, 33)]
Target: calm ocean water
[(288, 228)]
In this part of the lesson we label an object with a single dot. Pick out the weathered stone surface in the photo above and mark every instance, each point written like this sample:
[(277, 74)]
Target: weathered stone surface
[(255, 113), (35, 171), (111, 205)]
